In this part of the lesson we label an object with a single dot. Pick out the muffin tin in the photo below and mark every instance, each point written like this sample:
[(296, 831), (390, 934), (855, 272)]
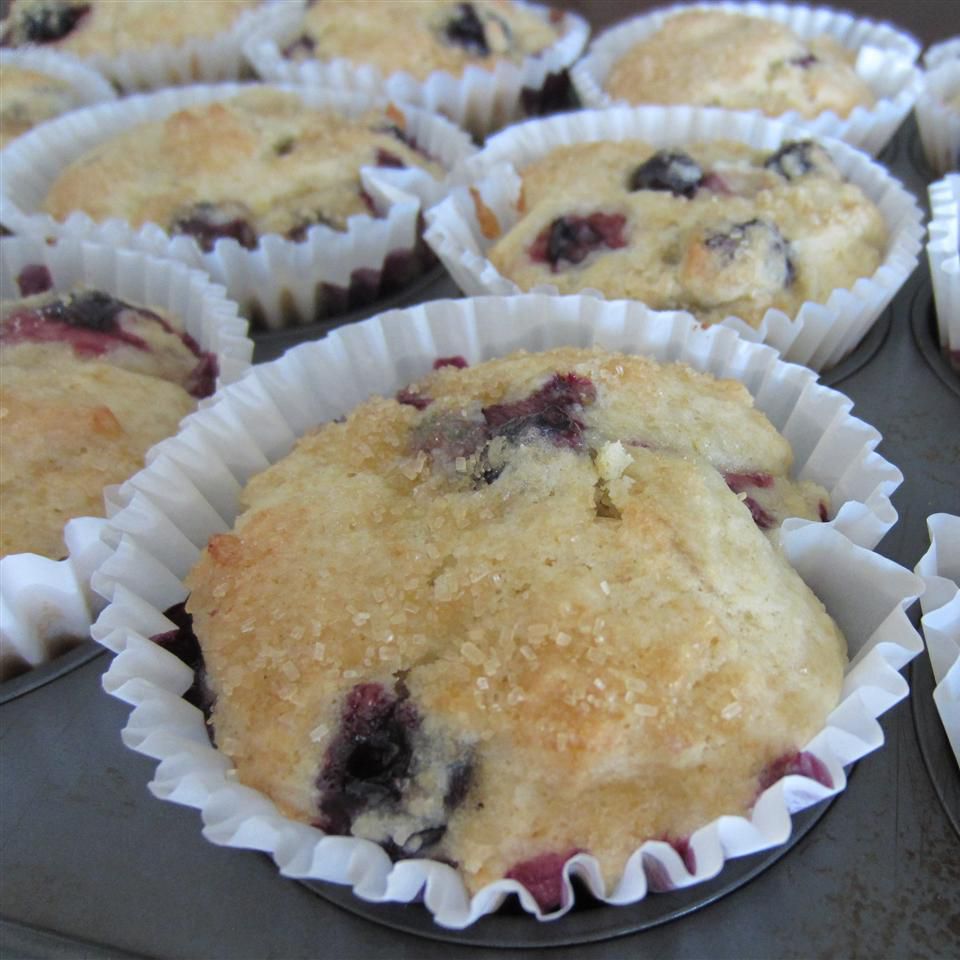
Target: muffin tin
[(94, 865)]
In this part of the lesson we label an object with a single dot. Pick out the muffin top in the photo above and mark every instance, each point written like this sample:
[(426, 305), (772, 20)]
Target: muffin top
[(421, 36), (109, 28), (718, 59), (258, 163), (715, 228), (538, 608), (29, 98), (89, 384)]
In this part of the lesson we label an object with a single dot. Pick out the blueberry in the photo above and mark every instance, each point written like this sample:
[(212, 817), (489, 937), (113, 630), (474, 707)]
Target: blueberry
[(573, 239), (183, 644), (466, 30), (368, 761), (46, 24), (387, 159), (89, 310), (763, 237), (804, 62), (794, 159), (209, 222), (550, 412), (669, 170)]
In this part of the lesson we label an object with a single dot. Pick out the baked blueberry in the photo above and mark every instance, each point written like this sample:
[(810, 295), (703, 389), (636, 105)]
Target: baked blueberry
[(466, 30), (670, 170), (209, 222), (758, 239), (46, 23), (796, 158), (573, 239)]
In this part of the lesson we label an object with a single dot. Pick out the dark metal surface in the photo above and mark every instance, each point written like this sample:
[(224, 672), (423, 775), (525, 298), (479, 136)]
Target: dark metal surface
[(47, 672), (92, 865)]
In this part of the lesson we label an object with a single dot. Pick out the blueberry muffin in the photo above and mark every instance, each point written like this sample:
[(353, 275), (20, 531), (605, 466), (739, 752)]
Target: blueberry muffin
[(108, 28), (422, 36), (258, 163), (29, 98), (538, 608), (89, 384), (714, 228), (718, 59)]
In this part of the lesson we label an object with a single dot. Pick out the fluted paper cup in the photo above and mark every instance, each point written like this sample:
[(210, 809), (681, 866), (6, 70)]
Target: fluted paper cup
[(942, 52), (940, 569), (938, 116), (164, 516), (819, 335), (944, 256), (480, 100), (281, 282), (46, 605), (885, 61)]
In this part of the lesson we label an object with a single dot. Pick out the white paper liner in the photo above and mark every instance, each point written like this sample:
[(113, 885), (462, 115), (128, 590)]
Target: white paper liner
[(820, 334), (885, 60), (279, 279), (479, 101), (944, 257), (166, 513), (88, 86), (46, 603), (942, 52), (940, 569), (939, 123), (198, 59)]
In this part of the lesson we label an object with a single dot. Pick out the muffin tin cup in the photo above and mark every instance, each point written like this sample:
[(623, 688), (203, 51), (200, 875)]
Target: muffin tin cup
[(46, 606), (885, 60), (280, 283), (944, 257), (480, 100), (89, 87), (940, 124), (198, 59), (819, 336), (163, 517), (939, 568)]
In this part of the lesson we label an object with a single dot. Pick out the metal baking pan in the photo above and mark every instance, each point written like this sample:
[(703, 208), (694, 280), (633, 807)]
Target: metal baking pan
[(93, 866)]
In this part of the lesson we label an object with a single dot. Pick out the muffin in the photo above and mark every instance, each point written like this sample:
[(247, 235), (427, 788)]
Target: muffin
[(712, 58), (712, 211), (434, 34), (714, 228), (303, 203), (538, 419), (148, 44), (255, 164), (836, 75), (90, 383), (90, 378), (482, 64), (437, 669), (88, 28)]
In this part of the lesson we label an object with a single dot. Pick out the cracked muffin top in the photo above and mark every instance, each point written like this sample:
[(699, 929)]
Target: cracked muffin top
[(89, 384), (715, 228), (712, 58), (259, 163), (518, 611), (87, 28), (421, 36)]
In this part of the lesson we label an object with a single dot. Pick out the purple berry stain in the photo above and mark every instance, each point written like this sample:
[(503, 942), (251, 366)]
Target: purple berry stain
[(799, 762), (33, 279), (209, 222), (543, 877), (573, 239), (457, 361)]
